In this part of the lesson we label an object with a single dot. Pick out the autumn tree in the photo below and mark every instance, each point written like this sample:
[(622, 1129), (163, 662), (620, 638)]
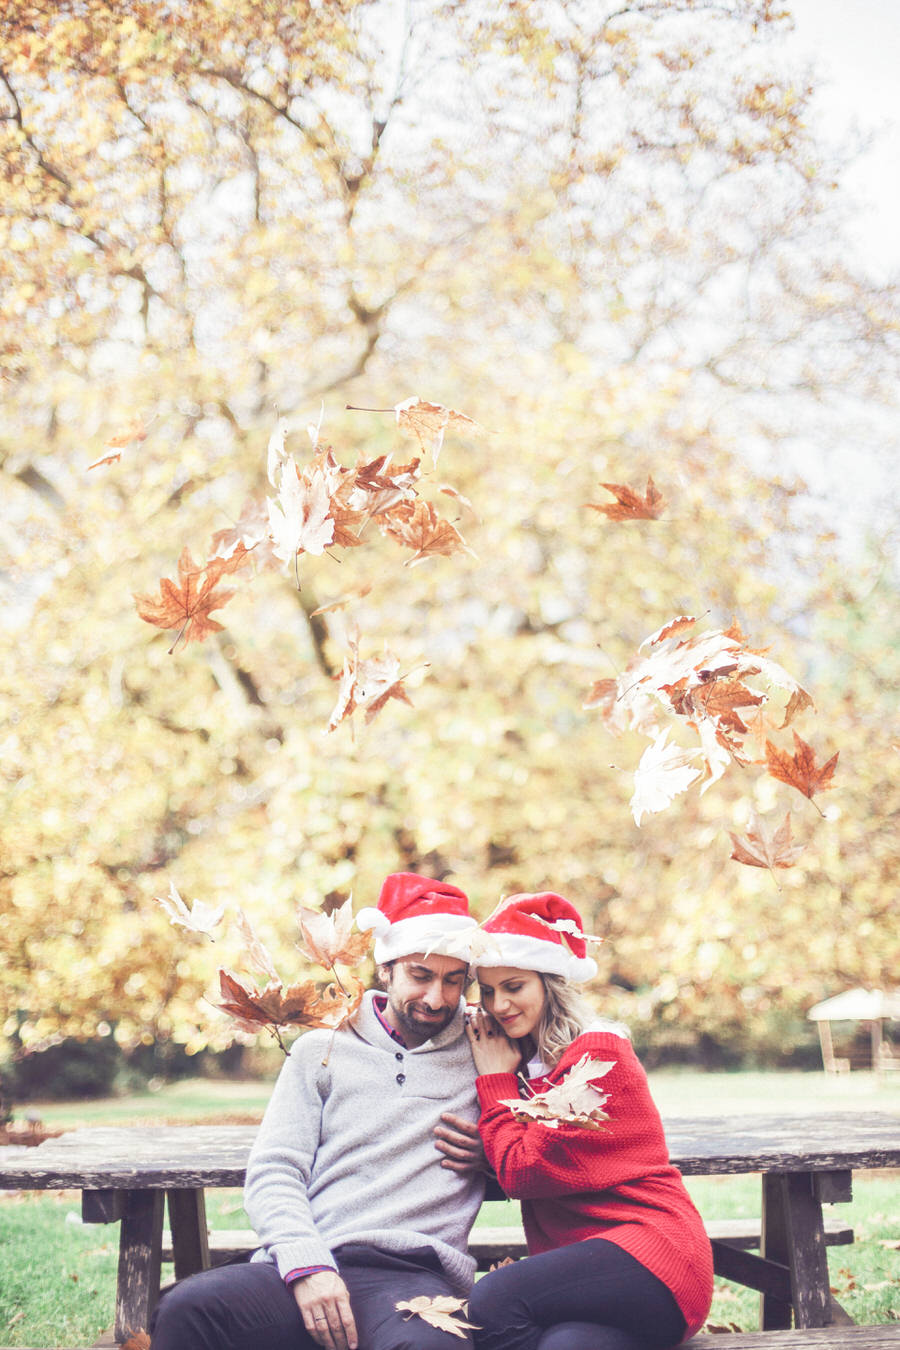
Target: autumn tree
[(607, 233)]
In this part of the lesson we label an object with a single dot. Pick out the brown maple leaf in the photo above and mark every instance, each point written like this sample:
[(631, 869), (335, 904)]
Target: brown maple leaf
[(762, 847), (419, 527), (133, 434), (798, 701), (300, 1005), (720, 698), (800, 770), (428, 422), (188, 605), (629, 504), (329, 938)]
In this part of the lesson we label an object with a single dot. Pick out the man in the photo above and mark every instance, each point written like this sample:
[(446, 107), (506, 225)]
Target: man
[(353, 1203)]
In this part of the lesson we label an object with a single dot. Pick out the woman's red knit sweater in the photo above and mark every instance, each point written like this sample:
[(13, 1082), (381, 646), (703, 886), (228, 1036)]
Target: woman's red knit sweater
[(616, 1183)]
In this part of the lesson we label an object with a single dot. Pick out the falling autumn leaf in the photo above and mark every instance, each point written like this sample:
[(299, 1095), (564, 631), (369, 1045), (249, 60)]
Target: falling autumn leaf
[(762, 847), (574, 1101), (200, 918), (428, 422), (187, 606), (258, 955), (443, 1312), (663, 772), (367, 684), (299, 517), (329, 939), (800, 770), (629, 504), (133, 434), (419, 527), (300, 1005)]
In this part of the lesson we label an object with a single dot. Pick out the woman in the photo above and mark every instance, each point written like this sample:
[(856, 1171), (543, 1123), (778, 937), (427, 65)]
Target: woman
[(618, 1256)]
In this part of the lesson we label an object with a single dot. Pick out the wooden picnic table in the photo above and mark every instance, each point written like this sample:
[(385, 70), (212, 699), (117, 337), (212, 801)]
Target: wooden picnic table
[(128, 1175)]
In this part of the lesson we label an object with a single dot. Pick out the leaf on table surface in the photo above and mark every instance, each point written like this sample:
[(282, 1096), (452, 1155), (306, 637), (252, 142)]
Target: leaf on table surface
[(200, 918), (428, 422), (663, 772), (419, 527), (328, 939), (186, 606), (574, 1101), (443, 1312), (300, 1005), (764, 847), (800, 770), (629, 504)]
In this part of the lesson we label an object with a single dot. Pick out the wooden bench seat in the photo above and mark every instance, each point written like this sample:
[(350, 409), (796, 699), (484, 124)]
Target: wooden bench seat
[(885, 1337), (489, 1245)]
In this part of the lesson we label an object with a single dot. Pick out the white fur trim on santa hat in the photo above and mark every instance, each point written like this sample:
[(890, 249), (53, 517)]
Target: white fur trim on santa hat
[(531, 953), (430, 933)]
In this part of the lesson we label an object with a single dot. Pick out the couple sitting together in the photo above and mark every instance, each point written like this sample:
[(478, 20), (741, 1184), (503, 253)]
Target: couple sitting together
[(370, 1164)]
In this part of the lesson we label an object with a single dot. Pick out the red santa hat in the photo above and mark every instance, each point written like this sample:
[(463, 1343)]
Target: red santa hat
[(417, 914), (540, 932)]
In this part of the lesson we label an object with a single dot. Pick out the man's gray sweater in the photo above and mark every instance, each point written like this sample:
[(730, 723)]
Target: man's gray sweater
[(346, 1153)]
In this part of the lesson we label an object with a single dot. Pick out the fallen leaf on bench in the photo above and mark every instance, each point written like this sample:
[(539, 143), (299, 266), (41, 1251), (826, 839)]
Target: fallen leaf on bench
[(439, 1312), (716, 1329), (498, 1265), (575, 1101)]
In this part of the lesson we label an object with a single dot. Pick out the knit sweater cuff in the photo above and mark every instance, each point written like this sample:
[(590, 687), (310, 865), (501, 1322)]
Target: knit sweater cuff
[(302, 1254), (496, 1087)]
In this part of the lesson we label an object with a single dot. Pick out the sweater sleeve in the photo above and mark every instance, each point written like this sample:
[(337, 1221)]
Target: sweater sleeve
[(280, 1165), (535, 1162)]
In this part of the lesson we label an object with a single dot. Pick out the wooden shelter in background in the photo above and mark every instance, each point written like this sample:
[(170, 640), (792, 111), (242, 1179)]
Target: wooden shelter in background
[(870, 1007)]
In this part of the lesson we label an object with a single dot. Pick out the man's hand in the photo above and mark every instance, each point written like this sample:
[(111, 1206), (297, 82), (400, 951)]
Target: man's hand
[(325, 1308), (460, 1142)]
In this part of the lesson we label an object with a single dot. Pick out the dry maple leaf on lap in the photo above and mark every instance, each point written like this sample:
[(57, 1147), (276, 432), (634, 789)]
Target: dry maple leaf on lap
[(762, 847), (575, 1101), (440, 1312), (629, 504), (800, 769), (188, 605)]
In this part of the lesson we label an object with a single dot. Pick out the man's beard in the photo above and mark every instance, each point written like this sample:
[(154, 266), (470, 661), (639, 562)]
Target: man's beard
[(415, 1027)]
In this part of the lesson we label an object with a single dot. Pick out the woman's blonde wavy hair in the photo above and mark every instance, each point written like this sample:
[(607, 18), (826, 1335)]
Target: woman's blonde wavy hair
[(564, 1016)]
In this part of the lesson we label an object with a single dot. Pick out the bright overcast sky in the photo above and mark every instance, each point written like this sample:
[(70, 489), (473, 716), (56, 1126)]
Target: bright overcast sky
[(856, 48)]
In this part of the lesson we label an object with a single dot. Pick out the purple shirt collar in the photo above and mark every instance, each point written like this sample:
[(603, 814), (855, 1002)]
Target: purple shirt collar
[(379, 1003)]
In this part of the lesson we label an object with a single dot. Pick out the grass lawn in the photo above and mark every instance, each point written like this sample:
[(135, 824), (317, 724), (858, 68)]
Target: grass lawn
[(57, 1276)]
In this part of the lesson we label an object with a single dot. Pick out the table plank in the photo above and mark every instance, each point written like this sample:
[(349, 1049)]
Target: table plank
[(190, 1157)]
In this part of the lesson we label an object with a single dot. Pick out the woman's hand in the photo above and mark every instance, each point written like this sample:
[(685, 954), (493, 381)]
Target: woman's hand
[(492, 1050)]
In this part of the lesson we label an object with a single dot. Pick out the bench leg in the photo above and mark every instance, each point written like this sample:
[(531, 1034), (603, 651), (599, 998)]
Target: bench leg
[(774, 1313), (793, 1232), (140, 1253), (190, 1238)]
